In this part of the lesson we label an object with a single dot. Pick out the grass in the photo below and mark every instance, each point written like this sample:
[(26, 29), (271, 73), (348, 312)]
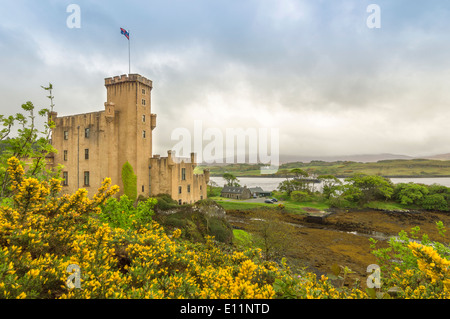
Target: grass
[(311, 204), (387, 206), (289, 205), (299, 207), (242, 238), (236, 205)]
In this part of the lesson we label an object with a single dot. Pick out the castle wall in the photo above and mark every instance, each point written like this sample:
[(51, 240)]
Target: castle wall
[(99, 143), (177, 179), (86, 143)]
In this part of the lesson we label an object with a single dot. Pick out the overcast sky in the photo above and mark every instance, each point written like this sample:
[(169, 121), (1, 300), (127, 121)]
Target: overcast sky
[(311, 68)]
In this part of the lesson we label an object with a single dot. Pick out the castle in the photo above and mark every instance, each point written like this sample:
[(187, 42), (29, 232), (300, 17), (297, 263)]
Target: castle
[(93, 146)]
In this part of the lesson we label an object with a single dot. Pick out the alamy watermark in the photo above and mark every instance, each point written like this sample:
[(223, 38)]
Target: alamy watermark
[(235, 145), (374, 19), (374, 279), (74, 280), (74, 19)]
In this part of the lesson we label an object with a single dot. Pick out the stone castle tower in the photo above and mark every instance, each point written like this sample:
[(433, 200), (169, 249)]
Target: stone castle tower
[(92, 146)]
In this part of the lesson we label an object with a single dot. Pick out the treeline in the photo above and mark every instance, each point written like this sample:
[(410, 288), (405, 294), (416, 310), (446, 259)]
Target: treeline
[(360, 190)]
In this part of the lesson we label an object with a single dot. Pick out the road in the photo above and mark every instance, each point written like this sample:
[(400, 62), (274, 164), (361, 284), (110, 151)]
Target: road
[(252, 200)]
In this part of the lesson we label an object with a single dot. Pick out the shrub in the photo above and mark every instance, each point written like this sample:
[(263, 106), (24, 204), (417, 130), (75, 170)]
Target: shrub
[(280, 195), (220, 230), (300, 196), (41, 234), (410, 193), (129, 180), (165, 202), (416, 269), (371, 187), (122, 214), (117, 213), (434, 202)]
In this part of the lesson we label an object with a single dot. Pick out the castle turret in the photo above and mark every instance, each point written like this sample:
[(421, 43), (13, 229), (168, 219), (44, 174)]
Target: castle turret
[(129, 99)]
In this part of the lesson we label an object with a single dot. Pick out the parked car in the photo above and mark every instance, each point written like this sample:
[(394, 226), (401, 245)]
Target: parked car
[(268, 201), (274, 200)]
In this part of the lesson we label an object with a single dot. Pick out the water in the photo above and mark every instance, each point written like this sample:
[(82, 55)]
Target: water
[(266, 183), (271, 183), (444, 181)]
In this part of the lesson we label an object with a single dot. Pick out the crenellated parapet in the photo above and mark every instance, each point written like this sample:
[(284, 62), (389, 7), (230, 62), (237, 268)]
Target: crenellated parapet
[(128, 78)]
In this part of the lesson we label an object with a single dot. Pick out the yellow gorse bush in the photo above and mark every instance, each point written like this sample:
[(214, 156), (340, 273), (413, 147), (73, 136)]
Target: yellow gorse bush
[(42, 233), (434, 268)]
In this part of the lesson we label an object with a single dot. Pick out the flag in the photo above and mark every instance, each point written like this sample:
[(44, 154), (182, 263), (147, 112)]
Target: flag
[(125, 33)]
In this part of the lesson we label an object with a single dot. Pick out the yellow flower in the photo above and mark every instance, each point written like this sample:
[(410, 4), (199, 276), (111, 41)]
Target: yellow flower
[(22, 296), (176, 233)]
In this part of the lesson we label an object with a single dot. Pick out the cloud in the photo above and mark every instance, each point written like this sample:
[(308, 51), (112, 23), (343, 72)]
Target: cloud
[(311, 68)]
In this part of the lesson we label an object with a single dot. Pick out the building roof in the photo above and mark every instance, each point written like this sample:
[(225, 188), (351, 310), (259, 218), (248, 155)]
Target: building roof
[(256, 189), (233, 190)]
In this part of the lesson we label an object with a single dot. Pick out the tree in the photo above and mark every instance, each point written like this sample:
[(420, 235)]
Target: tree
[(299, 173), (434, 202), (290, 185), (297, 183), (273, 235), (129, 180), (372, 187), (410, 193), (300, 196), (213, 188), (231, 180), (346, 195), (329, 183), (29, 145)]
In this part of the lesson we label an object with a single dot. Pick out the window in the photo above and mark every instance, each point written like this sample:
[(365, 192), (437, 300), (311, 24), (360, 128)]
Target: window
[(66, 135), (143, 134), (65, 155), (65, 181), (143, 101), (143, 118), (143, 91), (86, 132), (179, 189), (183, 174), (189, 188), (142, 188), (179, 202), (86, 153), (86, 178)]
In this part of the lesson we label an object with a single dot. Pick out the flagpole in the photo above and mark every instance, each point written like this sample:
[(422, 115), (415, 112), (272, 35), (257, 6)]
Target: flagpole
[(129, 53)]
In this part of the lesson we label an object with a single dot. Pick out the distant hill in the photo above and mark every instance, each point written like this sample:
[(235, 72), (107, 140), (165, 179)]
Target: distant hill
[(387, 167), (440, 157), (364, 158), (359, 158)]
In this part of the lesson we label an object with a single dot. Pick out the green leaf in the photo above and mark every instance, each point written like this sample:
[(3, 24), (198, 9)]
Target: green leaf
[(333, 276), (336, 269), (372, 293)]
